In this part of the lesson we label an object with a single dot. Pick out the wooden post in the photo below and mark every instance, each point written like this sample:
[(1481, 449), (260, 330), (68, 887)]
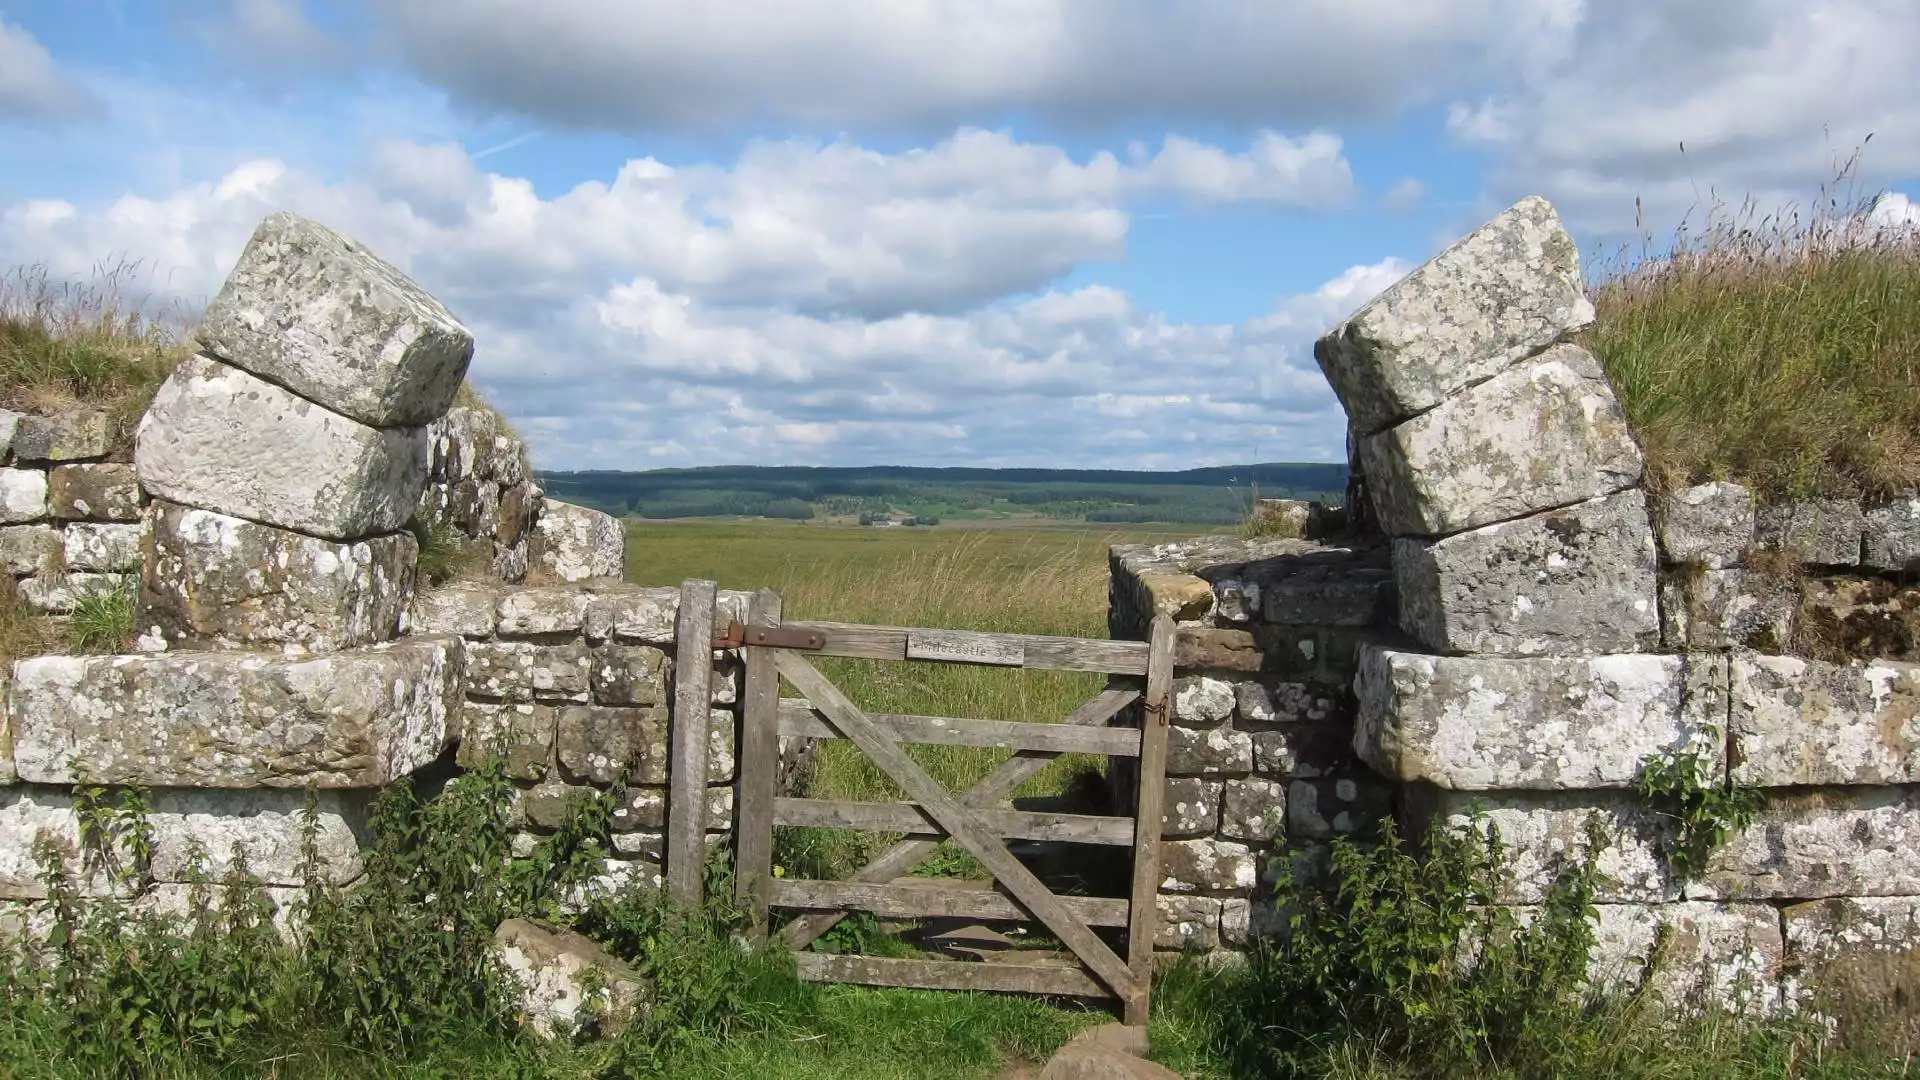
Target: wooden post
[(759, 766), (1155, 714), (690, 738)]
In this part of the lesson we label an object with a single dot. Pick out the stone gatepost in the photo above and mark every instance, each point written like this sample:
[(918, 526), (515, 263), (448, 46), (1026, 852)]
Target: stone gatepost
[(285, 460)]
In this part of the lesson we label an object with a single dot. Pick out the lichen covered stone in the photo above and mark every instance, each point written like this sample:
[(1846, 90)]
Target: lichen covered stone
[(220, 439), (1581, 580), (1798, 722), (102, 492), (1707, 525), (361, 718), (1828, 532), (1544, 434), (318, 313), (577, 543), (1541, 723), (1484, 303)]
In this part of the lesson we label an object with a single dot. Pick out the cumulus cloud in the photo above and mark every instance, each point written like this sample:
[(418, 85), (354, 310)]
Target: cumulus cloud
[(833, 64), (273, 41), (1767, 97), (810, 303), (32, 87)]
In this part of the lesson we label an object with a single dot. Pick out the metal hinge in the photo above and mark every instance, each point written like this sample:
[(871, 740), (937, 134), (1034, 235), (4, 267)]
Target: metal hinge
[(771, 637)]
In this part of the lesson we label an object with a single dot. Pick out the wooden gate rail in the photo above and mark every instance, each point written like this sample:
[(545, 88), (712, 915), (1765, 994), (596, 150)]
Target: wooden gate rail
[(973, 819)]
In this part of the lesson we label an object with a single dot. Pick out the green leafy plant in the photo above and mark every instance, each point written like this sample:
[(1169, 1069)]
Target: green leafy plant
[(1698, 812), (445, 554)]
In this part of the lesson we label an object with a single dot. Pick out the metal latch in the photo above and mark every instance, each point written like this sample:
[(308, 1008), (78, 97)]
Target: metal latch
[(771, 637)]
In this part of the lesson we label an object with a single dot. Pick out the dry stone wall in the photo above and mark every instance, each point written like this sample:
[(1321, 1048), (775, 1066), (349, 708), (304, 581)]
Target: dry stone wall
[(1516, 625), (267, 510)]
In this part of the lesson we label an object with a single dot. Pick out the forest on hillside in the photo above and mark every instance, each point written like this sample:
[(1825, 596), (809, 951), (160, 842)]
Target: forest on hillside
[(1215, 495)]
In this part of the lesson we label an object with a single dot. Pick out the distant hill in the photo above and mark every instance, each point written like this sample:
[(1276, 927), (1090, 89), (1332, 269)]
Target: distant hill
[(1209, 496)]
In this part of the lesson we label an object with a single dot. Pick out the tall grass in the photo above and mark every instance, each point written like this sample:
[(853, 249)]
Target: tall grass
[(65, 344), (1780, 350)]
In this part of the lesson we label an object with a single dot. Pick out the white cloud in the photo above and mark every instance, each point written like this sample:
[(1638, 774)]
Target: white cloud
[(1894, 211), (1405, 194), (273, 41), (32, 86), (812, 303), (831, 64), (1767, 96)]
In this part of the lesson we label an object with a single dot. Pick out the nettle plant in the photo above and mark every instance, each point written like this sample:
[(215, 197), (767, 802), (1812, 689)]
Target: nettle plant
[(1699, 813)]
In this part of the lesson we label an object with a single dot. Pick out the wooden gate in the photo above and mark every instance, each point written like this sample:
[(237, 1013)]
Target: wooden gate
[(976, 820)]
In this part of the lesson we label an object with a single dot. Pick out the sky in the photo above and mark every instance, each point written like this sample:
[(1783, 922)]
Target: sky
[(1057, 233)]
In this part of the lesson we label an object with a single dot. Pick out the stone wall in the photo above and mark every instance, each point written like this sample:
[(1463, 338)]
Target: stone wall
[(1524, 625), (268, 509)]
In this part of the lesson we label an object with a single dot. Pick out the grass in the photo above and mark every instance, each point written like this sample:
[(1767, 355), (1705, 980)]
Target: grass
[(65, 345), (1780, 350)]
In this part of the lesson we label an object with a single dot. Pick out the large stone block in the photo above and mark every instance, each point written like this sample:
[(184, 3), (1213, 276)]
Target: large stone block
[(1490, 299), (236, 720), (1708, 525), (1545, 833), (1576, 581), (105, 492), (1853, 956), (212, 581), (536, 610), (321, 315), (1829, 532), (1801, 722), (464, 609), (1824, 842), (523, 671), (1728, 955), (187, 827), (220, 439), (575, 543), (1544, 434), (1542, 723)]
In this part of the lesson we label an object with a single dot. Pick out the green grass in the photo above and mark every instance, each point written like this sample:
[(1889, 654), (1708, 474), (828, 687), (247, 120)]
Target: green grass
[(1780, 351), (68, 345)]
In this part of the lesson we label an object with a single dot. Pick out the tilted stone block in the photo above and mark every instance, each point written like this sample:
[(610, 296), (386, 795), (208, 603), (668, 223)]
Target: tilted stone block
[(104, 492), (575, 543), (1489, 300), (464, 609), (318, 313), (1862, 841), (187, 825), (1544, 834), (1570, 582), (522, 733), (1726, 609), (1707, 525), (1544, 434), (220, 439), (1803, 722), (66, 436), (350, 719), (1205, 866), (1893, 536), (523, 671), (213, 581), (1191, 807), (534, 610), (1542, 723), (23, 495), (1826, 532)]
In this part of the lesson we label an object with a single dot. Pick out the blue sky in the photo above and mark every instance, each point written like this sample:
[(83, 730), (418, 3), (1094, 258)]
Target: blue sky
[(1077, 233)]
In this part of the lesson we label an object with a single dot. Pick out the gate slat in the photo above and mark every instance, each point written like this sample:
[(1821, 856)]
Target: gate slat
[(759, 766), (911, 818), (798, 717), (689, 738), (1156, 713), (948, 975), (966, 830), (1037, 650), (930, 901), (901, 858)]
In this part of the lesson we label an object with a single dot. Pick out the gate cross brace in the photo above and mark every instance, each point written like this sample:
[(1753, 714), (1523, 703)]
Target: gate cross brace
[(960, 823)]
